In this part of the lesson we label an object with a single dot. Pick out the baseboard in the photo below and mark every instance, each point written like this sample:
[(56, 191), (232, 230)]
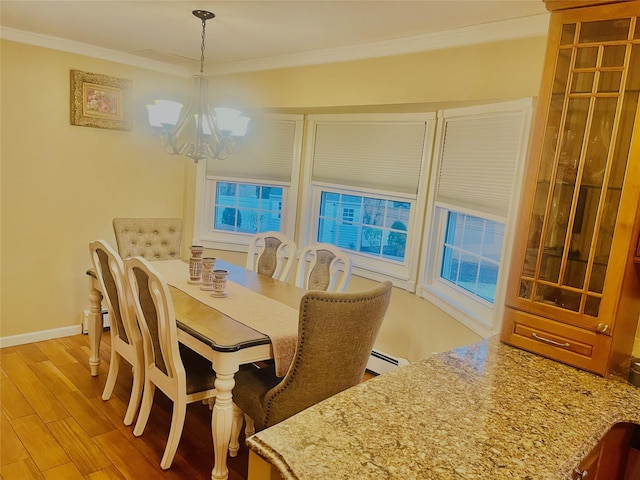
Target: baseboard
[(380, 362), (40, 336)]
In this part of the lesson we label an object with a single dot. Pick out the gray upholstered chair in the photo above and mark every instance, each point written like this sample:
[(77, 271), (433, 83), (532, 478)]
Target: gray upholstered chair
[(323, 266), (271, 254), (126, 341), (150, 238), (336, 332), (182, 374)]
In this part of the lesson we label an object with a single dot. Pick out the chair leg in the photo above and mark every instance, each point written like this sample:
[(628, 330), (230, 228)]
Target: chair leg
[(145, 408), (236, 426), (136, 394), (250, 427), (114, 366), (177, 424)]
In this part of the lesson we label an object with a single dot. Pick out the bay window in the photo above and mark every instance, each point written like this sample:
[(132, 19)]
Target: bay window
[(441, 228)]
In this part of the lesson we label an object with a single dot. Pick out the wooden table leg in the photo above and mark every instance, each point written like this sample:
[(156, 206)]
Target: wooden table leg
[(236, 428), (95, 327), (222, 418)]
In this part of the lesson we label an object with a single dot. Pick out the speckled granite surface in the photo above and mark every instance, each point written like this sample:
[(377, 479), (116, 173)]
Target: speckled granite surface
[(485, 411)]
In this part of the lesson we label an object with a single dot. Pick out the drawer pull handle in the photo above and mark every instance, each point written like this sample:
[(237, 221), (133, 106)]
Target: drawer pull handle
[(548, 340)]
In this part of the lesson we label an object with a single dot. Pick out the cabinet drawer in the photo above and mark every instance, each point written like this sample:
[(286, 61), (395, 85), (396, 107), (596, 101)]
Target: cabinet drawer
[(556, 340)]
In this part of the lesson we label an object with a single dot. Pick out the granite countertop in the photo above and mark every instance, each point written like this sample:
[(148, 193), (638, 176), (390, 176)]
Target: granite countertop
[(484, 411)]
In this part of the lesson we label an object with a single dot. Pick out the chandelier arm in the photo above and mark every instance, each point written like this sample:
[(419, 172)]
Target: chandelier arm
[(167, 142)]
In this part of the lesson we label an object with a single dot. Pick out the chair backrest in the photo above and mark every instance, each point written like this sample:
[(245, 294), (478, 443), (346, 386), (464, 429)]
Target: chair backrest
[(110, 271), (323, 266), (154, 307), (336, 333), (150, 238), (271, 254)]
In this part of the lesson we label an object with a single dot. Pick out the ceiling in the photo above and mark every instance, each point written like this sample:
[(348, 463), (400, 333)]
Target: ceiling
[(249, 34)]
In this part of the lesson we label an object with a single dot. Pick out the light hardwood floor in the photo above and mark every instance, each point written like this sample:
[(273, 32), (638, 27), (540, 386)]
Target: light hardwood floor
[(55, 425)]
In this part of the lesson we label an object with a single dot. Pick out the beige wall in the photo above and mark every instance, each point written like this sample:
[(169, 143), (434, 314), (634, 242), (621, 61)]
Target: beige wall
[(61, 185), (480, 73)]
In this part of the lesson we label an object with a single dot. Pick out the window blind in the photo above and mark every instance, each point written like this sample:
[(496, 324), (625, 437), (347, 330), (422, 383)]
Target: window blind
[(478, 161), (265, 153), (376, 154)]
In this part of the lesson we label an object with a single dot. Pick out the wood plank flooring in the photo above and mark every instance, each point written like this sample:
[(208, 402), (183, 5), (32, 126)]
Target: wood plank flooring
[(54, 424)]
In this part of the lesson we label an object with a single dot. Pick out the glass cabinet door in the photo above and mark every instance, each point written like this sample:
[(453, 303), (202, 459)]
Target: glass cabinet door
[(585, 152)]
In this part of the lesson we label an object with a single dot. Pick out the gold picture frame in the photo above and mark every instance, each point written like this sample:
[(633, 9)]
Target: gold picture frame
[(100, 101)]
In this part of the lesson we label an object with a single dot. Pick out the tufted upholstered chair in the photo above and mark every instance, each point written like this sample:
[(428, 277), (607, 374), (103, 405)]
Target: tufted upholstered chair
[(150, 238), (126, 341), (182, 374), (272, 254), (336, 332), (323, 266)]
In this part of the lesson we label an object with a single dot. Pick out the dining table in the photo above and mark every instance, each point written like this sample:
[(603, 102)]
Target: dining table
[(257, 320)]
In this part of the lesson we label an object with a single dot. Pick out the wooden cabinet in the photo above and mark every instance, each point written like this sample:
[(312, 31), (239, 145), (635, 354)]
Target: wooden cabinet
[(574, 293), (610, 459)]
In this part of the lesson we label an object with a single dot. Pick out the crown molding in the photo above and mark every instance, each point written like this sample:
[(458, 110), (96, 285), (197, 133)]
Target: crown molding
[(70, 46), (531, 26)]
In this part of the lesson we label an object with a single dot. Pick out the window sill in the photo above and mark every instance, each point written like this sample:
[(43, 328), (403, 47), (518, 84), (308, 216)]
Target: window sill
[(482, 326)]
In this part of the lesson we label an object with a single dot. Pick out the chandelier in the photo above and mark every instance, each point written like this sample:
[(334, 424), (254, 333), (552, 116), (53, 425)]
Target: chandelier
[(197, 133)]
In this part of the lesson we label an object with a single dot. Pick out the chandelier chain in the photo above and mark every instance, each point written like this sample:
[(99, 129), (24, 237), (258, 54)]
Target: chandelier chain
[(204, 26)]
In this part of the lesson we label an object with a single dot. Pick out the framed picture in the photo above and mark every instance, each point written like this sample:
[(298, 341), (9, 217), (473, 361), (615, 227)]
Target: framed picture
[(100, 101)]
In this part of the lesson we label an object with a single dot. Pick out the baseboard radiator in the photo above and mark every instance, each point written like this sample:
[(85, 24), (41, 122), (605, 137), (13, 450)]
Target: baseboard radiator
[(380, 362)]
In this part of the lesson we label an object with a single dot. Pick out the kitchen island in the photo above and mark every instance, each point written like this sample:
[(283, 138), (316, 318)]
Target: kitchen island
[(484, 411)]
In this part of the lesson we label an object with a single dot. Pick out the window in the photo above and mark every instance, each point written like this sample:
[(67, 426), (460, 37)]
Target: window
[(374, 226), (471, 254), (470, 217), (367, 184), (255, 189), (247, 208), (347, 214)]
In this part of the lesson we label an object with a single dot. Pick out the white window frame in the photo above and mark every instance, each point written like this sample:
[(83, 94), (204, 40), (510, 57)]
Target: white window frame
[(401, 274), (204, 233), (476, 313)]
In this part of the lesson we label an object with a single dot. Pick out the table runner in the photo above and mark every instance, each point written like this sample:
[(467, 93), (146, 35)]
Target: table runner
[(266, 315)]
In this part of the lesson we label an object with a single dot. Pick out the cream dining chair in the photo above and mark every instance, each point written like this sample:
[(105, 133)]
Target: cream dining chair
[(126, 341), (150, 238), (182, 374), (323, 266), (272, 254), (336, 333)]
